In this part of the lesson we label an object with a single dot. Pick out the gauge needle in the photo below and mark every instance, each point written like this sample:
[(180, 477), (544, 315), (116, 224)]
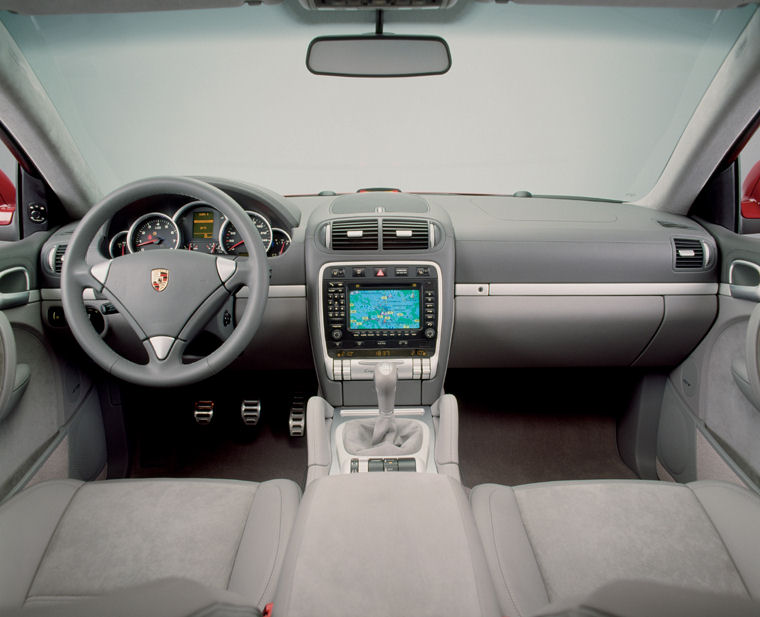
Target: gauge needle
[(237, 244), (282, 249), (123, 248), (154, 241)]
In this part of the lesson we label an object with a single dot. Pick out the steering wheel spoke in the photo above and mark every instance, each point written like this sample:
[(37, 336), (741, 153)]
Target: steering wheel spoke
[(90, 276), (240, 276)]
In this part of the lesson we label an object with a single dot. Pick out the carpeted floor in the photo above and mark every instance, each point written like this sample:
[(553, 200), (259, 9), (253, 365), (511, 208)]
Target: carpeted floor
[(516, 427), (523, 426)]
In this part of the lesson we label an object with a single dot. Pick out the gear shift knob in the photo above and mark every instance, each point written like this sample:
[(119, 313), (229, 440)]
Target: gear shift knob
[(385, 386)]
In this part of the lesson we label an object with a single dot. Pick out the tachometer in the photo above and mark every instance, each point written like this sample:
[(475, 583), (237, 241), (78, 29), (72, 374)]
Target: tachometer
[(231, 242), (153, 231)]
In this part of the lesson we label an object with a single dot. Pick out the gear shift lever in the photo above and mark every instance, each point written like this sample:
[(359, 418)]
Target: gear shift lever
[(385, 436), (385, 386)]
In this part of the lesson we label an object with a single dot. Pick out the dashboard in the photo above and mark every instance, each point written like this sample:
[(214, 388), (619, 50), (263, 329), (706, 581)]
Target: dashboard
[(437, 281)]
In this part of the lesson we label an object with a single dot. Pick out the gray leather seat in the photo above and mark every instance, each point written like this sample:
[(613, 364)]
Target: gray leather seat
[(66, 540), (553, 543)]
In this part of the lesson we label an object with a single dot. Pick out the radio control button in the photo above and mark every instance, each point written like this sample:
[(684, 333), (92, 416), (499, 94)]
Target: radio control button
[(358, 272), (337, 334), (429, 333), (402, 271)]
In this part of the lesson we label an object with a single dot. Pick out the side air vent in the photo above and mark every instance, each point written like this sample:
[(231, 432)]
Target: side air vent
[(354, 235), (691, 254), (55, 258), (406, 235)]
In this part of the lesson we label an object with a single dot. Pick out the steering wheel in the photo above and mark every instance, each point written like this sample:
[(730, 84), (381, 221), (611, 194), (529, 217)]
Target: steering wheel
[(167, 296)]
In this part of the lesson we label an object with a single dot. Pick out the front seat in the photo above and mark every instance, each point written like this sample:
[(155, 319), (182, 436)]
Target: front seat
[(67, 540), (549, 544)]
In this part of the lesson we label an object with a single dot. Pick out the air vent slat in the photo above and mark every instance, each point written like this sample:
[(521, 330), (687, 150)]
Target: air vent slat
[(354, 235), (406, 234), (689, 254), (60, 251)]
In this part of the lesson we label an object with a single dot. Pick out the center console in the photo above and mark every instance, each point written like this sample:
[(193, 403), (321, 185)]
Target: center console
[(373, 311)]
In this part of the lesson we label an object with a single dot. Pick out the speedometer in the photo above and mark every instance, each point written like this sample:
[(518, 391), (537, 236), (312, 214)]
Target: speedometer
[(153, 231), (231, 242)]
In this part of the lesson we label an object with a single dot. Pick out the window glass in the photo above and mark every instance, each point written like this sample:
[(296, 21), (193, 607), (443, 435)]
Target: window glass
[(8, 178)]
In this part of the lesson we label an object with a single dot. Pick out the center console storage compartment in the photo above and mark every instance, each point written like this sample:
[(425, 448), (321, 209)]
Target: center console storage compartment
[(385, 544)]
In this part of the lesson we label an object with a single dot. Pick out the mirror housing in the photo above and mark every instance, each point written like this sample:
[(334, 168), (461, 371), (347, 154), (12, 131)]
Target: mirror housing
[(378, 55)]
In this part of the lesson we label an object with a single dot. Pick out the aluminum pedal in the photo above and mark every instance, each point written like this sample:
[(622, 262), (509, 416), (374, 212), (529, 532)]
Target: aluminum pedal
[(250, 412), (203, 411), (297, 419)]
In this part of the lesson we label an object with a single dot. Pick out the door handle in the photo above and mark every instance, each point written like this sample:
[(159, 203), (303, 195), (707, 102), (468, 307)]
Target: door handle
[(744, 280), (14, 287)]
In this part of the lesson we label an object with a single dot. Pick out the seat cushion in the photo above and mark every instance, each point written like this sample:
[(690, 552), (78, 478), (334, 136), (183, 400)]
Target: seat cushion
[(68, 539), (549, 542)]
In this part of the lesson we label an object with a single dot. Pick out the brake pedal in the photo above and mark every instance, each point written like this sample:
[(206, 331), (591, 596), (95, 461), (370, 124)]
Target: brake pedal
[(203, 411), (297, 419), (250, 412)]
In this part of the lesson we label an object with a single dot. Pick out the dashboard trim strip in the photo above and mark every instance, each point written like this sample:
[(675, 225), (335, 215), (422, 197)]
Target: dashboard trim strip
[(586, 289)]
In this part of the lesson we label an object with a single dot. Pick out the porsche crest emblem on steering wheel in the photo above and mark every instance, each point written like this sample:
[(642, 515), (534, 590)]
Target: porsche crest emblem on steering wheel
[(159, 278)]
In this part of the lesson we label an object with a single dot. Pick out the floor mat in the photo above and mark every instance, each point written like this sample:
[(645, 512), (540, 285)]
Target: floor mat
[(167, 442), (523, 426)]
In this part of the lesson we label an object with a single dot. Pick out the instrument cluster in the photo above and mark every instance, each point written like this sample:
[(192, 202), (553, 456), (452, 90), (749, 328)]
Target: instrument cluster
[(195, 226)]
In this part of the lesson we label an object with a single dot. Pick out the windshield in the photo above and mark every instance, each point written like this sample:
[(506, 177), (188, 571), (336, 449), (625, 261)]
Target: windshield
[(552, 100)]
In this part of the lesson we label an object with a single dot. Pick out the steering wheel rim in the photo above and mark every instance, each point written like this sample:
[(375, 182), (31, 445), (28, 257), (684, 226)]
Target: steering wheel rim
[(193, 277)]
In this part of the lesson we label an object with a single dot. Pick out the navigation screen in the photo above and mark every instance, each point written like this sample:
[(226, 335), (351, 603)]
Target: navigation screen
[(384, 309)]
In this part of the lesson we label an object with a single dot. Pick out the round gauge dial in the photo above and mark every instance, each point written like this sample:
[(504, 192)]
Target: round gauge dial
[(118, 245), (280, 242), (153, 231), (230, 241)]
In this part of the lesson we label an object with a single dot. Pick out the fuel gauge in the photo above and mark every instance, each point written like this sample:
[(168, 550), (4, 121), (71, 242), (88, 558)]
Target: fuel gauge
[(118, 245)]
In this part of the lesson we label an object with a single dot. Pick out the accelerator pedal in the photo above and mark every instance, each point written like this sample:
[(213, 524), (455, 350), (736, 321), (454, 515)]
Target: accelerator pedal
[(250, 412), (203, 411), (297, 419)]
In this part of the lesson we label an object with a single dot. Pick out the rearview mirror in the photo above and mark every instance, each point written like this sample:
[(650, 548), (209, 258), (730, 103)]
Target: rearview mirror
[(373, 55)]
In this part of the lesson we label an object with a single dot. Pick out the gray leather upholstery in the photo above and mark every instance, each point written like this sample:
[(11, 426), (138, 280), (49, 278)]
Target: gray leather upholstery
[(66, 539), (552, 542)]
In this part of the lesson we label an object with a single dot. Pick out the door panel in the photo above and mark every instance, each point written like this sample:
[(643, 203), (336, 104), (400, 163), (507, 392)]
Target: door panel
[(55, 429), (710, 418)]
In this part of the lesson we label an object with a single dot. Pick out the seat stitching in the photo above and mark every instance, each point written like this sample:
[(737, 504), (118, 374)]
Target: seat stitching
[(498, 554), (50, 542), (720, 537), (277, 550), (242, 532)]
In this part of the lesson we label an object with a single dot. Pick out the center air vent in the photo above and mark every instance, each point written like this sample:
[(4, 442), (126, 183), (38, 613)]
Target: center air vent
[(406, 234), (690, 254), (354, 235)]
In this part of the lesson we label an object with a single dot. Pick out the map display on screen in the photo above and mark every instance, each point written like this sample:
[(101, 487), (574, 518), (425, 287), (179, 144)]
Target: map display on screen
[(384, 309)]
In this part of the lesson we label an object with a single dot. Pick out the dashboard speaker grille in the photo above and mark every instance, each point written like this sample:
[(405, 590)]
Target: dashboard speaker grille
[(690, 254), (354, 235), (406, 234)]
